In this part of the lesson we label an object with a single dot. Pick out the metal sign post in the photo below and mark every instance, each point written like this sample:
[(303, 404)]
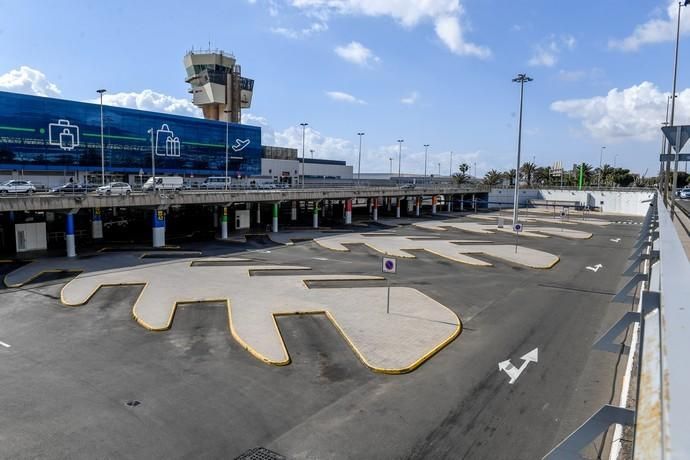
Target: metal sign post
[(389, 265), (517, 228)]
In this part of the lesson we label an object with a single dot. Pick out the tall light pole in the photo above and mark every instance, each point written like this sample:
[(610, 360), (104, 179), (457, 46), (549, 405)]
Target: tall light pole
[(450, 165), (400, 143), (662, 169), (153, 161), (439, 169), (391, 166), (681, 4), (475, 169), (426, 155), (601, 157), (100, 92), (359, 159), (227, 144), (312, 153), (304, 126), (522, 79)]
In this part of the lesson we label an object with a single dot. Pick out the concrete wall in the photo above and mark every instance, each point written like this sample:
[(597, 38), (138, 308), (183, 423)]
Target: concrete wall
[(624, 201), (275, 168)]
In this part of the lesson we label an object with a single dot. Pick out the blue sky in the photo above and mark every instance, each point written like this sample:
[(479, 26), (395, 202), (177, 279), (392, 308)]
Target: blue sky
[(426, 71)]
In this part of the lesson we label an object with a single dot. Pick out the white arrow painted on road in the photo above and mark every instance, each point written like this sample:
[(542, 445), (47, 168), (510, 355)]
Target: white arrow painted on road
[(6, 345), (595, 268), (615, 240), (514, 372)]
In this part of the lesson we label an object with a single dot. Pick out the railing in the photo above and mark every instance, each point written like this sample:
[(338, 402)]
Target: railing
[(661, 342)]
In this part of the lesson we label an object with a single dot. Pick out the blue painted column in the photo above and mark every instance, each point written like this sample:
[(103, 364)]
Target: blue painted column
[(96, 224), (69, 235), (158, 229), (274, 223), (224, 224)]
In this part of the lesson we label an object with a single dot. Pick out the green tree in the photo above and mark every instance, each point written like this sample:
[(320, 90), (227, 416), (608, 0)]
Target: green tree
[(527, 171), (461, 177), (542, 176), (493, 177)]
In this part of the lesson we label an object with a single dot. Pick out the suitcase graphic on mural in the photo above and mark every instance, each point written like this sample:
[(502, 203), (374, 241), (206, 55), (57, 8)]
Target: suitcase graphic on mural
[(63, 134), (167, 145)]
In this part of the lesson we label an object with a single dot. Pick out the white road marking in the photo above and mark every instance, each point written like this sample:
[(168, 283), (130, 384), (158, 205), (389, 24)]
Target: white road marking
[(595, 268), (320, 258), (615, 240), (513, 372), (6, 345)]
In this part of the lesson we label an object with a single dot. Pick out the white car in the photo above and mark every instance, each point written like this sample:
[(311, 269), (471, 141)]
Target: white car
[(17, 186), (115, 188), (684, 193)]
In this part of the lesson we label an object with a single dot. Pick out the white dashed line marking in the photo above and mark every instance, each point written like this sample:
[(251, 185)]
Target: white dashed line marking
[(6, 345)]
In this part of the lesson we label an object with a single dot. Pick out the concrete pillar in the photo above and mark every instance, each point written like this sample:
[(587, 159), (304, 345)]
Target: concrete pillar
[(369, 200), (433, 205), (69, 235), (388, 204), (323, 209), (376, 209), (293, 212), (215, 217), (418, 206), (258, 213), (96, 224), (397, 208), (315, 215), (449, 202), (348, 212), (474, 203), (158, 229), (274, 224), (462, 202), (224, 224)]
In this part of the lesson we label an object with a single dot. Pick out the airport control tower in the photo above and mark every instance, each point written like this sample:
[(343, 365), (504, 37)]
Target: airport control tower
[(218, 85)]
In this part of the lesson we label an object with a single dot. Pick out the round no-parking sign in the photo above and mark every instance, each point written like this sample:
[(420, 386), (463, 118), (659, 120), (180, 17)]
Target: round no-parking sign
[(389, 265), (517, 227)]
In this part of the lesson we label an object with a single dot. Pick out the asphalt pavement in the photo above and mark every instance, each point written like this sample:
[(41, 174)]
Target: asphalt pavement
[(88, 382)]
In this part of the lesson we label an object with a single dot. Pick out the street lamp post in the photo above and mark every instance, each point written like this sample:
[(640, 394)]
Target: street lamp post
[(304, 126), (522, 79), (153, 161), (673, 109), (450, 165), (312, 153), (601, 157), (100, 92), (400, 143), (359, 159), (391, 166), (439, 169), (426, 155), (227, 143)]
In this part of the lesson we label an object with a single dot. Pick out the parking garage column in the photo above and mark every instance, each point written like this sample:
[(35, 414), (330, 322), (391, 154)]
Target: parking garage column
[(293, 211), (348, 211), (462, 202), (315, 215), (418, 206), (397, 208), (449, 200), (389, 201), (96, 224), (274, 223), (258, 213), (224, 224), (474, 203), (69, 235), (375, 202), (158, 228), (434, 198)]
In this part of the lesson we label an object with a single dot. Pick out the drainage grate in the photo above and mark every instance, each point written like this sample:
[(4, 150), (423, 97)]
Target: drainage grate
[(133, 403), (260, 453)]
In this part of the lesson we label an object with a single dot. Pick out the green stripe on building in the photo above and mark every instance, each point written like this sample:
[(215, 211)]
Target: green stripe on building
[(12, 128), (110, 136)]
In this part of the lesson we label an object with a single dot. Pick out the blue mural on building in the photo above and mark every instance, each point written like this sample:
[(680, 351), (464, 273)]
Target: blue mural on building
[(44, 134)]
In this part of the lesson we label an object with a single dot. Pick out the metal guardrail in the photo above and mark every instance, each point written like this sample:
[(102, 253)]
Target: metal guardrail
[(661, 416)]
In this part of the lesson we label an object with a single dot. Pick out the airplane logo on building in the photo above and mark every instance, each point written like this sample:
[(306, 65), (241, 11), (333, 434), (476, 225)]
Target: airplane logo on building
[(240, 145)]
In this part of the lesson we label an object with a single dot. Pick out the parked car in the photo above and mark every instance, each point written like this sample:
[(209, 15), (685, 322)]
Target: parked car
[(407, 187), (70, 188), (115, 188), (684, 193), (17, 186), (164, 183)]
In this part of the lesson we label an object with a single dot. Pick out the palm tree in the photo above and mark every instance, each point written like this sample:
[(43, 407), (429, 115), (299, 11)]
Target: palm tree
[(493, 177), (527, 171), (543, 175), (462, 177), (509, 176)]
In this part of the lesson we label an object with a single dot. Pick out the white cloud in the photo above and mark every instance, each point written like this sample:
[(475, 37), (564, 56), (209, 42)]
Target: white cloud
[(296, 34), (344, 97), (410, 99), (153, 101), (546, 54), (655, 30), (325, 147), (444, 14), (576, 75), (267, 131), (356, 53), (634, 113), (26, 80)]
